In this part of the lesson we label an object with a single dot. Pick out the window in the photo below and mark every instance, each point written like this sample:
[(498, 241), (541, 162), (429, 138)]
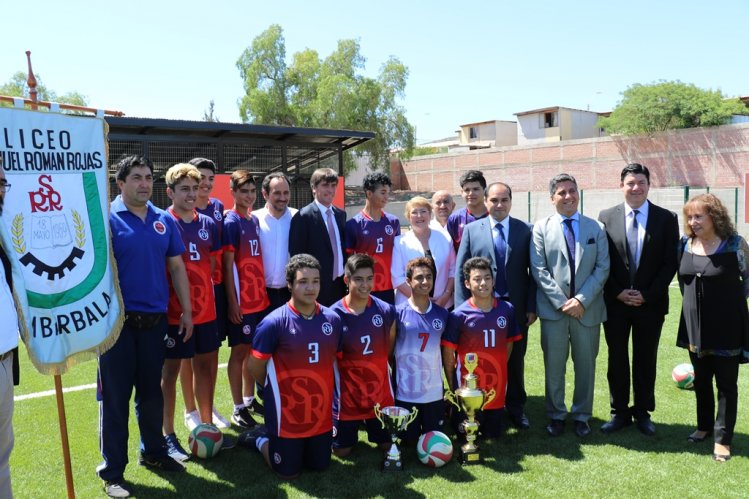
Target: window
[(473, 133), (549, 120)]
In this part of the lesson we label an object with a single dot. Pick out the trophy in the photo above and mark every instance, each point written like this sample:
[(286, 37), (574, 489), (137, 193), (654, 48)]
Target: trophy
[(471, 398), (394, 420)]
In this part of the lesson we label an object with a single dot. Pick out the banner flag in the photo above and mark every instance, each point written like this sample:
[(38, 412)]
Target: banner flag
[(55, 229)]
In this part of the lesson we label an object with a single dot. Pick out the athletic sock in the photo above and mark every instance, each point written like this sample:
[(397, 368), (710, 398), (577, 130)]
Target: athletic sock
[(260, 442), (248, 401), (238, 407)]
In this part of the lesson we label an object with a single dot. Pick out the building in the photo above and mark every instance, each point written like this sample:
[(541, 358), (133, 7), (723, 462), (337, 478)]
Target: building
[(552, 124), (494, 133)]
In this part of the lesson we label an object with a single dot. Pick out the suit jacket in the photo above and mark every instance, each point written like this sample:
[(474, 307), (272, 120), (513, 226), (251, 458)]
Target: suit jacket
[(9, 280), (550, 268), (309, 234), (478, 240), (658, 259)]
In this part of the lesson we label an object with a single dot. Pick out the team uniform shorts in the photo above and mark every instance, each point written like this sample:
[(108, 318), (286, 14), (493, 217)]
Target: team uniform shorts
[(346, 433), (289, 455), (204, 339), (430, 417), (242, 334)]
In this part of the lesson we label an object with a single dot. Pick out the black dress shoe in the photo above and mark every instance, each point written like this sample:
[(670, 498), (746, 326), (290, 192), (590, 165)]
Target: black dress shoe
[(616, 423), (520, 422), (582, 429), (646, 426), (555, 427)]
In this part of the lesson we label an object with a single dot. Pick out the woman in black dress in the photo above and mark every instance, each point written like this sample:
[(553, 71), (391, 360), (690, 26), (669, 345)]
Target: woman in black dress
[(714, 324)]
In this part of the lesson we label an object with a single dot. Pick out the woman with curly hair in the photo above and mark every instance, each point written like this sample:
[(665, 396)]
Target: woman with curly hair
[(714, 326)]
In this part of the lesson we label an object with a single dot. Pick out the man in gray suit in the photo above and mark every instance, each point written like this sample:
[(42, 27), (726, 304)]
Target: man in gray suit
[(504, 241), (570, 263)]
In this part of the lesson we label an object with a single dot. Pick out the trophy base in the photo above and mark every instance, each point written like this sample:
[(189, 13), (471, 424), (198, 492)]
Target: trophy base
[(392, 466), (468, 457)]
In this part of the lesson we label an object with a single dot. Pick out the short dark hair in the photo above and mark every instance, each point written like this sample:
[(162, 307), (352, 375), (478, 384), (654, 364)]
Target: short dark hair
[(562, 177), (358, 261), (299, 262), (128, 163), (476, 263), (203, 163), (240, 178), (328, 175), (269, 178), (421, 261), (488, 188), (472, 176), (375, 179), (636, 169)]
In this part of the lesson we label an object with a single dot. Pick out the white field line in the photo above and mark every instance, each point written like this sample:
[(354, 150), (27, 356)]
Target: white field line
[(49, 393)]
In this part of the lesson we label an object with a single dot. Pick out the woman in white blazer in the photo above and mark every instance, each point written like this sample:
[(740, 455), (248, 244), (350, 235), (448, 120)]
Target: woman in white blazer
[(423, 241)]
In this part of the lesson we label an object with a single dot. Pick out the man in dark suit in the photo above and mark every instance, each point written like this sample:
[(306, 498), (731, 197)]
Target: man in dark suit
[(505, 241), (318, 230), (8, 356), (642, 246)]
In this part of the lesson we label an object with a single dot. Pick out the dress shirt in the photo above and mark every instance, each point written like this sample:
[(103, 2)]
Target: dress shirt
[(274, 237), (642, 221), (324, 212), (407, 247)]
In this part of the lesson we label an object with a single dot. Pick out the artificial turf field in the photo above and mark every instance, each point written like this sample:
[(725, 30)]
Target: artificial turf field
[(519, 464)]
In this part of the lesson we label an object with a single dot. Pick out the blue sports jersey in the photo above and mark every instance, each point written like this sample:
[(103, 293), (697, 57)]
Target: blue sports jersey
[(298, 389), (376, 239), (140, 250), (215, 211), (418, 359), (470, 329), (362, 370)]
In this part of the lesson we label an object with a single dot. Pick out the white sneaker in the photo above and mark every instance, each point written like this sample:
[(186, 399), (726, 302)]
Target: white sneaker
[(192, 419), (220, 421), (115, 489)]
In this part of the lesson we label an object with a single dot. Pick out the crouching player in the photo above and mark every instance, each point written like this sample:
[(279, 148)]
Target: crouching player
[(486, 326), (246, 298), (293, 352), (200, 236), (418, 360), (362, 370)]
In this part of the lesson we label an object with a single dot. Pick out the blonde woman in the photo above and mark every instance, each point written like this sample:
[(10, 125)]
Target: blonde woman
[(422, 241)]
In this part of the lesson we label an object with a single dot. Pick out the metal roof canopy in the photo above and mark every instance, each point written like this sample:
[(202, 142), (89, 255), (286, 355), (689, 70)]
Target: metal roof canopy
[(260, 149)]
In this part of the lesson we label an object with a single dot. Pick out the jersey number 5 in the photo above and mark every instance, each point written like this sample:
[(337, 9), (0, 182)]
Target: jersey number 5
[(194, 253)]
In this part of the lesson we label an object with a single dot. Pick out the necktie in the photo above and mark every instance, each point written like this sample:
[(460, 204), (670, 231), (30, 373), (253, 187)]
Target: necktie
[(500, 252), (569, 236), (333, 245), (633, 241)]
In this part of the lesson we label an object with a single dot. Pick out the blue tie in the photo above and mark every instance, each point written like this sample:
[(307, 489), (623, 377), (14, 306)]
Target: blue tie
[(569, 236), (500, 252)]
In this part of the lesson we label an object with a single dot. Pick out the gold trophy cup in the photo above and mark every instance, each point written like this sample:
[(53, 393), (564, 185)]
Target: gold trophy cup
[(470, 398), (394, 420)]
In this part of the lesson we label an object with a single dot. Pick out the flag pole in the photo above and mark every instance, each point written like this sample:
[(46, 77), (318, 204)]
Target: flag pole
[(33, 96)]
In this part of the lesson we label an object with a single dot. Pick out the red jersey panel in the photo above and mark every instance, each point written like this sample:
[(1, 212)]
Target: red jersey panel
[(241, 236), (376, 239), (298, 389), (470, 329), (201, 240), (362, 370)]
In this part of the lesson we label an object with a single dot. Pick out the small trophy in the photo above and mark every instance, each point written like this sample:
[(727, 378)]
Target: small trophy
[(394, 420), (471, 398)]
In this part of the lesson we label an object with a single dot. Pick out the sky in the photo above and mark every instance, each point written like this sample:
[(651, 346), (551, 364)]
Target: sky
[(468, 61)]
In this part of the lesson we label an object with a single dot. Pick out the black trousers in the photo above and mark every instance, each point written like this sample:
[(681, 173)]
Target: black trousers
[(516, 395), (726, 373), (645, 329)]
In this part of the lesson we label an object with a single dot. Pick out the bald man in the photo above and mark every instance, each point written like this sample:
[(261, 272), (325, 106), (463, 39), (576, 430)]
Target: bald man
[(442, 206)]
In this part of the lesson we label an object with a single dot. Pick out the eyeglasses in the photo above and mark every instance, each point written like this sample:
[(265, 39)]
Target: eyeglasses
[(5, 187)]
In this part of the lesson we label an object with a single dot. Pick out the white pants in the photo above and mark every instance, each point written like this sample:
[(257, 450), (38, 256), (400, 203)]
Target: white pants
[(6, 425)]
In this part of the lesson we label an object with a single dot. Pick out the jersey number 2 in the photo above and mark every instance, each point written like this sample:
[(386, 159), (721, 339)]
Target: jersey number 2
[(366, 340)]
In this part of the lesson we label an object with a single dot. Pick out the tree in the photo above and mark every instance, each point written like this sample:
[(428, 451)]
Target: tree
[(667, 105), (209, 114), (17, 87), (326, 93)]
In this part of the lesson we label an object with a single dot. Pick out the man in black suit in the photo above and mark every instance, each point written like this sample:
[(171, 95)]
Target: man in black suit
[(505, 241), (642, 247), (317, 229)]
